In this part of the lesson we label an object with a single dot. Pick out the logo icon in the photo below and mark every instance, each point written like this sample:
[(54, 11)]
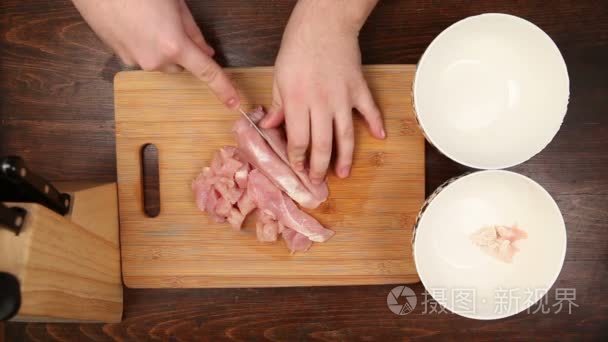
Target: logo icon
[(401, 300)]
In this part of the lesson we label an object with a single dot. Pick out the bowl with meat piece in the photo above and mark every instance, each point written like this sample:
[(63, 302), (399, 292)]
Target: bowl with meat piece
[(491, 91), (489, 244)]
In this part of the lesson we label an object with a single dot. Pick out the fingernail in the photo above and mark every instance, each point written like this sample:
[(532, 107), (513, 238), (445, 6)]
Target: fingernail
[(316, 181), (231, 103), (344, 171), (383, 133)]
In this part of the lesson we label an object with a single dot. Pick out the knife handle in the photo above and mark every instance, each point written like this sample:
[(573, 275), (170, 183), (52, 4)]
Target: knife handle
[(12, 218), (10, 296), (19, 184)]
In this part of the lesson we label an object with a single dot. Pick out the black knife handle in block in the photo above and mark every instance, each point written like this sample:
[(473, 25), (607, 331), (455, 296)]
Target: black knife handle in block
[(12, 218), (10, 296), (19, 184)]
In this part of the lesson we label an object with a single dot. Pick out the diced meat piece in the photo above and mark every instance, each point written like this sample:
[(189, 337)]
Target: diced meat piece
[(207, 172), (223, 207), (232, 194), (240, 176), (279, 146), (216, 162), (200, 194), (267, 232), (268, 197), (246, 204), (266, 226), (218, 219), (256, 151), (236, 218), (212, 200), (227, 153), (511, 233), (295, 241), (499, 242), (230, 167)]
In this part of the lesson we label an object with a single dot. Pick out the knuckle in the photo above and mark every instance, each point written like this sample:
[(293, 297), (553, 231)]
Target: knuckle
[(209, 72), (323, 147), (347, 133), (297, 147), (150, 64), (170, 48)]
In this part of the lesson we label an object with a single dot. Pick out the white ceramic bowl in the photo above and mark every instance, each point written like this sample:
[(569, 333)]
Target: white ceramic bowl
[(491, 91), (448, 262)]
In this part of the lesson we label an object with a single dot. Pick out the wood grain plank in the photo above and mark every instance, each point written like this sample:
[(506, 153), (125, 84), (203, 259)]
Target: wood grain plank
[(372, 213)]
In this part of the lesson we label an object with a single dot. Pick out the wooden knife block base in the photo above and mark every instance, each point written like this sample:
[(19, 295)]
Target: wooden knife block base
[(68, 266)]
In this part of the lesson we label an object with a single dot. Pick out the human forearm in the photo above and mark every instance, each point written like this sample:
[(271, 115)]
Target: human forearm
[(344, 15)]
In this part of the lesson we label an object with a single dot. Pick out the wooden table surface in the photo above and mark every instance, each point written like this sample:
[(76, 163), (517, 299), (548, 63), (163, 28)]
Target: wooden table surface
[(57, 112)]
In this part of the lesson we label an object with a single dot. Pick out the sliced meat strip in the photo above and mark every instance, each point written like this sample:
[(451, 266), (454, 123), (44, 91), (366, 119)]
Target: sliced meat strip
[(278, 143), (295, 241), (256, 151), (268, 197), (320, 192)]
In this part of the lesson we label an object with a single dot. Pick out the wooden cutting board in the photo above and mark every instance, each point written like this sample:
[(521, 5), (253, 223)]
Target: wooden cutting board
[(372, 212)]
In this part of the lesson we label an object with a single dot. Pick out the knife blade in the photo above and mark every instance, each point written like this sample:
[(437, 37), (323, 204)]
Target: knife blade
[(264, 136), (253, 124)]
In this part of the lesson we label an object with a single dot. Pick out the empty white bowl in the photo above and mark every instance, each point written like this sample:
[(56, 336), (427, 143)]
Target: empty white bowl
[(449, 263), (491, 91)]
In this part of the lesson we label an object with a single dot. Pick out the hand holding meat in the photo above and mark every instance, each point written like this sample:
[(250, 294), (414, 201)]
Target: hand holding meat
[(318, 81), (158, 35)]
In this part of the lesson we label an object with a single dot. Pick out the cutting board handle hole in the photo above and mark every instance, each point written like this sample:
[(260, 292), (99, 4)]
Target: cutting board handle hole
[(150, 180)]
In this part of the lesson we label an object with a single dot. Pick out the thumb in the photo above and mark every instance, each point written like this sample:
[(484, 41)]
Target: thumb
[(207, 70), (275, 114)]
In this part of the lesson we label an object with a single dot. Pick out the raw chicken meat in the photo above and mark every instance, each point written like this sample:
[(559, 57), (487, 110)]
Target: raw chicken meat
[(217, 188), (271, 200), (254, 149), (254, 178), (499, 241)]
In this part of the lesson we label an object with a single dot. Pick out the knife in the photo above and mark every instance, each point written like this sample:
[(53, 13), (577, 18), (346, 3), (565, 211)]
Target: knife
[(254, 125), (20, 184), (269, 141), (12, 218), (10, 296)]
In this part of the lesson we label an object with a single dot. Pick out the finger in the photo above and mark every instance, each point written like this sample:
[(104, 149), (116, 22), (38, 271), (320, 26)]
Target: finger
[(367, 107), (321, 134), (207, 70), (345, 141), (172, 69), (275, 115), (192, 29), (297, 124)]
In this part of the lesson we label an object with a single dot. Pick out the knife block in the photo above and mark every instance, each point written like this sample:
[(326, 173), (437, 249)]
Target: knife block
[(68, 266)]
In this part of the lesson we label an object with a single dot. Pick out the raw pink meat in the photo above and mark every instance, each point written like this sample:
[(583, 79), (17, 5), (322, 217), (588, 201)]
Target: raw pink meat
[(269, 198), (217, 190), (499, 242), (278, 143), (246, 204), (295, 241), (256, 151), (266, 227), (320, 191), (230, 189)]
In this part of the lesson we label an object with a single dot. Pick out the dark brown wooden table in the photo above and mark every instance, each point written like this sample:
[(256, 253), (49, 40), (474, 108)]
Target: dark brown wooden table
[(56, 110)]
